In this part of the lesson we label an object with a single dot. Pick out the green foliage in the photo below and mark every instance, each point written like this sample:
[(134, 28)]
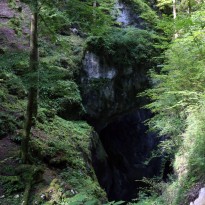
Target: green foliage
[(66, 144), (162, 4), (192, 152), (80, 199), (57, 88), (177, 101), (61, 143), (65, 88), (146, 12), (172, 92), (89, 191), (160, 193), (181, 6), (11, 184), (16, 60), (77, 199), (13, 64), (64, 55), (52, 19), (149, 201), (11, 199), (95, 20), (125, 47), (61, 96), (16, 87), (64, 134), (8, 124)]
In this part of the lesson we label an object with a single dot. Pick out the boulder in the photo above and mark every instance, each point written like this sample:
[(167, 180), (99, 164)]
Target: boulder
[(201, 199)]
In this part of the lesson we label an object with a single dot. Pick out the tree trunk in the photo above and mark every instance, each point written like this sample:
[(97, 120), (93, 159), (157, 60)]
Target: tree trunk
[(174, 9), (189, 6), (27, 193), (175, 15), (31, 111), (94, 12)]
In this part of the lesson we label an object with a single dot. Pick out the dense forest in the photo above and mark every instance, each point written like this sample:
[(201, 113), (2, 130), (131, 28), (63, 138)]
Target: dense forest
[(102, 102)]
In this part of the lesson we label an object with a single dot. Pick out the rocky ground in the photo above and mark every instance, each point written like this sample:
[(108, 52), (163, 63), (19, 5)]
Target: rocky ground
[(14, 27)]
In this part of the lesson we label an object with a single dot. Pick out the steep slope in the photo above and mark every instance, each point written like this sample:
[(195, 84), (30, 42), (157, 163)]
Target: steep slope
[(59, 149)]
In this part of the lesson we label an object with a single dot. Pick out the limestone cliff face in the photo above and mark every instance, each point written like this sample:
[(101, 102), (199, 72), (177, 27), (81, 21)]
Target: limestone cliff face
[(126, 16), (109, 91), (109, 96)]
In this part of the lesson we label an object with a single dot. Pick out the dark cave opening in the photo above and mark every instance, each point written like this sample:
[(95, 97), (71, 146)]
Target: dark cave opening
[(167, 169), (127, 145)]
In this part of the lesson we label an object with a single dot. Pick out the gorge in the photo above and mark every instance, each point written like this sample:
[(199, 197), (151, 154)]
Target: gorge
[(117, 112), (109, 94)]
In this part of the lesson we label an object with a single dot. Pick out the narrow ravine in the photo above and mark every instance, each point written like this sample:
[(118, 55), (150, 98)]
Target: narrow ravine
[(109, 92), (102, 102), (127, 145)]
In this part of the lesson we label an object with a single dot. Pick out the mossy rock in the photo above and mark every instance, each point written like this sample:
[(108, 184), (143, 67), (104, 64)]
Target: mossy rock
[(8, 124), (41, 150), (46, 115), (52, 195), (28, 172), (11, 184), (59, 161), (13, 84)]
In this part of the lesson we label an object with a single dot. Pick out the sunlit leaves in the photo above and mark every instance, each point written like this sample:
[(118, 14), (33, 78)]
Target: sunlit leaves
[(179, 86)]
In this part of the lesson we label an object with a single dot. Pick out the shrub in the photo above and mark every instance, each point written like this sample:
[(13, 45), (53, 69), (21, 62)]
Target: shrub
[(8, 124), (125, 47)]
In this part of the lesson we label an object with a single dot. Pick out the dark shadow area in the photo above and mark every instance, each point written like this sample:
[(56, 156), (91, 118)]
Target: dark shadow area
[(167, 170), (127, 145)]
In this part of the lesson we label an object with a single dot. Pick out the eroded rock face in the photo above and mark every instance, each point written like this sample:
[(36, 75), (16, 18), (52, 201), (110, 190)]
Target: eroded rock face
[(201, 199), (109, 97), (125, 16), (94, 69), (108, 91)]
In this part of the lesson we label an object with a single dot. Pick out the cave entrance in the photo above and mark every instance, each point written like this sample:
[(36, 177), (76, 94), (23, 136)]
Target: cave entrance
[(127, 145)]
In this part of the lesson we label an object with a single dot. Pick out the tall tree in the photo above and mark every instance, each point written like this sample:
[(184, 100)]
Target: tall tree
[(32, 104), (50, 6), (174, 5)]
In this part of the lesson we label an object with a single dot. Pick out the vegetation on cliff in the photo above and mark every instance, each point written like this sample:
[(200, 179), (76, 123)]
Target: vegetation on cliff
[(58, 164), (58, 149), (177, 101)]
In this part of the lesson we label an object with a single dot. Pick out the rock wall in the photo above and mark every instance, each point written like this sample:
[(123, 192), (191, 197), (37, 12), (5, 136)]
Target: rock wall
[(127, 146), (109, 94), (108, 91), (201, 199), (125, 16)]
